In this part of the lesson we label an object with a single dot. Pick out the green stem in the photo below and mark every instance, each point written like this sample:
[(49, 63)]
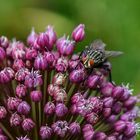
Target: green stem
[(39, 109), (44, 92), (34, 118), (71, 92), (6, 131)]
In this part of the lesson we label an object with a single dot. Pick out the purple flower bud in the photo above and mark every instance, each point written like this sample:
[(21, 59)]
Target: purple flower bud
[(50, 59), (92, 118), (15, 119), (2, 137), (99, 136), (60, 95), (18, 64), (127, 92), (61, 110), (33, 79), (117, 108), (2, 54), (85, 107), (24, 108), (75, 64), (60, 128), (130, 115), (117, 92), (49, 108), (111, 119), (31, 54), (73, 109), (6, 75), (76, 98), (97, 104), (62, 64), (3, 112), (74, 128), (120, 126), (28, 124), (88, 132), (4, 42), (40, 62), (130, 130), (36, 96), (93, 81), (32, 37), (43, 40), (130, 102), (108, 102), (106, 112), (77, 76), (52, 37), (45, 132), (111, 138), (23, 138), (4, 78), (21, 74), (21, 90), (12, 103), (59, 79), (78, 33), (53, 89), (65, 46), (107, 89)]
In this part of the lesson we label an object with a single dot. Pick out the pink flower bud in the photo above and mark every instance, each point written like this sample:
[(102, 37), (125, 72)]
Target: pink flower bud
[(45, 132), (4, 42), (61, 64), (2, 54), (3, 112), (36, 96), (24, 108), (61, 110), (77, 76), (21, 90), (93, 81), (59, 79), (18, 64), (43, 40), (78, 34), (107, 89), (53, 89), (88, 132), (52, 37), (40, 62), (31, 38), (12, 103), (49, 108), (74, 128), (28, 124), (60, 95), (60, 128), (15, 119)]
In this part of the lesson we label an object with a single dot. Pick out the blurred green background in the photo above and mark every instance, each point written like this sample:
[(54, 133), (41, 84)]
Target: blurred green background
[(117, 23)]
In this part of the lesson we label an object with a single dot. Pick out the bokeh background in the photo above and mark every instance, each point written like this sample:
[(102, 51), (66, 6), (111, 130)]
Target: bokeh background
[(117, 23)]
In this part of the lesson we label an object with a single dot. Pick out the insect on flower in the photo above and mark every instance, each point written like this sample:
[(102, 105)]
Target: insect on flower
[(95, 55)]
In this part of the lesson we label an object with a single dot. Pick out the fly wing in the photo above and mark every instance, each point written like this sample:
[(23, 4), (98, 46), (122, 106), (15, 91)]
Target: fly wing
[(112, 54), (98, 45)]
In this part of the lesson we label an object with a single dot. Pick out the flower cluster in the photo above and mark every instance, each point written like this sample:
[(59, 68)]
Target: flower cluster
[(47, 93)]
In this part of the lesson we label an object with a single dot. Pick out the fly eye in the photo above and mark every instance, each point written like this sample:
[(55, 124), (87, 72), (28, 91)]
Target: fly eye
[(91, 62)]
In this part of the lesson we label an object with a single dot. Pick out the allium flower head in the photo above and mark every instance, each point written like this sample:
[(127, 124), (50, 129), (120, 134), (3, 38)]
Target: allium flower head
[(50, 92)]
